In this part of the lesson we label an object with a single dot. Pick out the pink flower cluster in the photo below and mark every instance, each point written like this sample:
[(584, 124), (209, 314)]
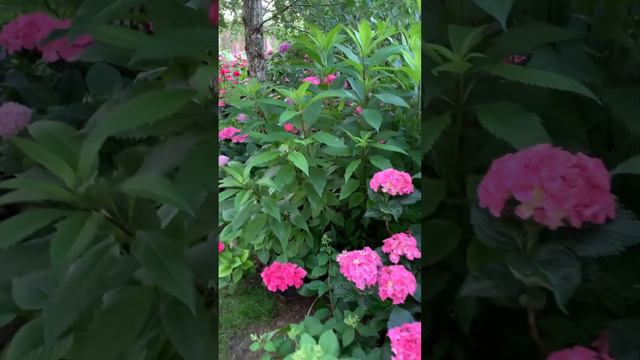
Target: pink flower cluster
[(279, 276), (13, 118), (406, 341), (29, 32), (395, 282), (313, 80), (401, 244), (551, 185), (360, 266), (392, 182), (229, 133)]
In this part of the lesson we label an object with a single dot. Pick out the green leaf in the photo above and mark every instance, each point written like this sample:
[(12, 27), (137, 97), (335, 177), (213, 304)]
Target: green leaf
[(434, 191), (40, 187), (27, 344), (93, 274), (347, 337), (19, 227), (494, 232), (300, 161), (190, 42), (103, 80), (491, 281), (353, 166), (74, 235), (107, 338), (331, 93), (389, 147), (348, 188), (311, 114), (261, 158), (373, 118), (432, 129), (46, 158), (31, 291), (328, 139), (443, 237), (625, 105), (286, 116), (157, 188), (271, 207), (499, 9), (380, 162), (509, 122), (142, 110), (165, 261), (190, 333), (623, 339), (20, 196), (392, 99), (529, 76), (398, 317), (329, 343), (318, 178), (629, 166), (58, 137)]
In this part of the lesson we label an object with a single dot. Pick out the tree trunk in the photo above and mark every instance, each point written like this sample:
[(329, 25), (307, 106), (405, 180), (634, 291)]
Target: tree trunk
[(254, 38)]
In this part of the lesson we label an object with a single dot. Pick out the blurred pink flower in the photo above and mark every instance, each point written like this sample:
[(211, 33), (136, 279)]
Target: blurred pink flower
[(220, 247), (242, 117), (313, 80), (14, 118), (329, 79), (288, 127), (395, 282), (552, 186), (280, 276), (406, 341), (358, 110), (574, 353), (229, 133), (223, 160)]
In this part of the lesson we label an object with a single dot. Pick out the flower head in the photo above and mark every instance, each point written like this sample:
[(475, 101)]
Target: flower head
[(280, 276), (284, 47), (358, 110), (392, 182), (406, 341), (313, 80), (220, 247), (401, 244), (288, 127), (574, 353), (242, 117), (360, 266), (13, 118), (222, 160), (329, 79), (395, 282), (551, 186), (229, 133)]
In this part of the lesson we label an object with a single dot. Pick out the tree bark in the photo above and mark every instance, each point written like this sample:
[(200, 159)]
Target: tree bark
[(254, 38)]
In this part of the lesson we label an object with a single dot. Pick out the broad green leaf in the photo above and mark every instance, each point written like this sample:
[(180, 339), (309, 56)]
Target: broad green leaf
[(608, 239), (21, 196), (286, 116), (311, 114), (271, 207), (389, 147), (398, 317), (262, 158), (19, 227), (318, 178), (24, 259), (348, 188), (97, 271), (629, 166), (40, 187), (157, 188), (348, 336), (432, 129), (74, 235), (534, 77), (27, 344), (103, 80), (142, 110), (329, 343), (165, 261), (494, 232), (48, 159), (499, 9), (108, 339), (328, 139), (353, 166), (509, 122), (526, 37), (380, 162), (31, 291), (625, 105), (300, 161), (330, 93), (190, 333), (191, 42), (392, 99), (373, 118), (443, 237), (57, 137), (491, 281)]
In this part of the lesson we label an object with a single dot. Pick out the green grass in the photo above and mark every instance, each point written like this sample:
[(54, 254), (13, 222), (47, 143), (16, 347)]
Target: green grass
[(250, 306)]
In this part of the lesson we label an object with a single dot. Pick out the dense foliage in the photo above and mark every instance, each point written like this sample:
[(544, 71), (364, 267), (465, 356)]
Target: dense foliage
[(533, 252), (107, 243), (319, 189)]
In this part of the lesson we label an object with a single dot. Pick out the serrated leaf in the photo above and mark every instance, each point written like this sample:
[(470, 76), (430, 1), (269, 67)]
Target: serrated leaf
[(499, 9), (165, 261), (610, 238), (348, 188), (47, 158), (398, 317), (389, 147), (629, 166), (318, 179), (353, 166), (509, 122), (300, 161), (534, 77)]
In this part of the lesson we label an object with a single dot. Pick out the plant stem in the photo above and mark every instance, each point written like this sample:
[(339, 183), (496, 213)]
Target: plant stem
[(533, 330), (329, 283), (311, 307)]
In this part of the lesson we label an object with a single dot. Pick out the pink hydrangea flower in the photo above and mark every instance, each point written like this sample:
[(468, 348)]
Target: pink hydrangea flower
[(395, 282), (222, 160), (574, 353), (229, 133), (313, 80), (358, 110), (62, 48), (329, 79), (406, 341), (280, 276), (401, 244), (220, 247), (392, 182), (242, 117), (288, 127), (13, 118), (360, 266), (552, 186)]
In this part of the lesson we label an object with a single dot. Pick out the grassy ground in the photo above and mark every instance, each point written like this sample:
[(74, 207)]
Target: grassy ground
[(251, 309)]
